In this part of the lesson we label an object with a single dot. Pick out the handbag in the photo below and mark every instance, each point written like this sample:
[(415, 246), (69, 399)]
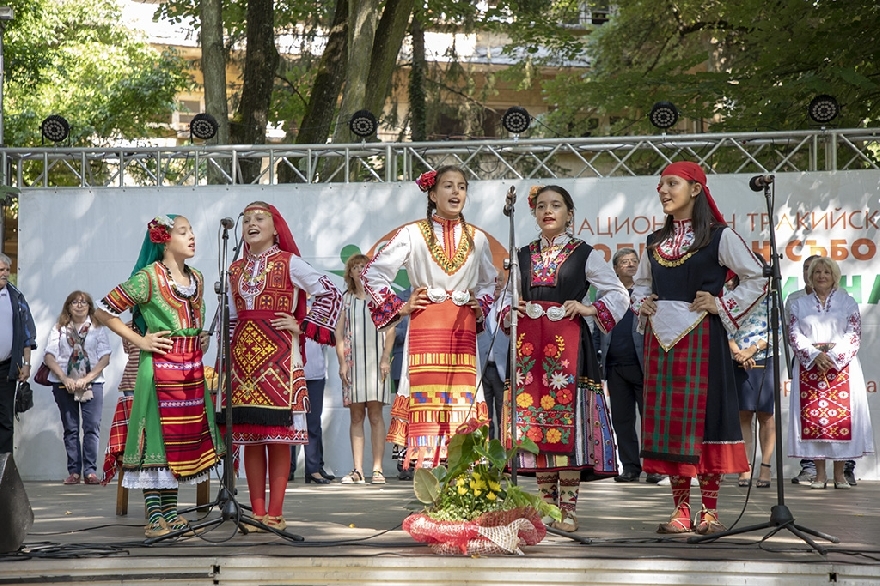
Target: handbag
[(42, 376), (24, 398)]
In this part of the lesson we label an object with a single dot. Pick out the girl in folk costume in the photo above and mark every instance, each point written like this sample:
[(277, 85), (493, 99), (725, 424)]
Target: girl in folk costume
[(450, 268), (690, 425), (172, 436), (268, 289), (560, 403), (829, 399)]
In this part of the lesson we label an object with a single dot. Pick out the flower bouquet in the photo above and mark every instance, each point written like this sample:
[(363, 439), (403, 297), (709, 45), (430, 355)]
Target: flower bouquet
[(472, 508)]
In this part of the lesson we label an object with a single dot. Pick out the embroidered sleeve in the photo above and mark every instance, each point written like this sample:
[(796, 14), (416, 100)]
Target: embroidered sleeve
[(379, 275), (733, 306), (612, 298), (134, 291), (801, 345), (847, 346), (320, 323), (484, 291), (643, 288)]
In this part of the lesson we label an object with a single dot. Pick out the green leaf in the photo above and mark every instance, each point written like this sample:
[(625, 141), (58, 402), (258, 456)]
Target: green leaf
[(528, 445), (426, 486)]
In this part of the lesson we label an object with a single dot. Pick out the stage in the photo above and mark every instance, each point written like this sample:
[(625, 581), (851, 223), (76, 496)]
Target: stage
[(352, 536)]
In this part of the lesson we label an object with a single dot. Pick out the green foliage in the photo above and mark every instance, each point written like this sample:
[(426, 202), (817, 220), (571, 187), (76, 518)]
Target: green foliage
[(474, 482), (74, 58), (735, 66)]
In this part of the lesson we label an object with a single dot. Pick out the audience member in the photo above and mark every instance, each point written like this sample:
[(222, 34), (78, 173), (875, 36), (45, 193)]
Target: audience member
[(750, 347), (17, 339), (364, 355), (77, 353), (808, 468), (825, 334), (621, 352), (493, 346)]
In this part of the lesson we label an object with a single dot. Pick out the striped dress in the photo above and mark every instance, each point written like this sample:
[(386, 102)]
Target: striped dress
[(363, 353)]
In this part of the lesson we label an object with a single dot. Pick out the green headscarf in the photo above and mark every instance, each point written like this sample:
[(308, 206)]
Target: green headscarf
[(150, 253)]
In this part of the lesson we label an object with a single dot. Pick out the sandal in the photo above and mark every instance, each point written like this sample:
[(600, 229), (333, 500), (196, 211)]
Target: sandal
[(353, 477), (569, 522), (72, 479), (92, 479), (744, 482), (678, 523), (157, 528), (709, 522), (178, 524), (277, 523), (378, 477), (761, 483)]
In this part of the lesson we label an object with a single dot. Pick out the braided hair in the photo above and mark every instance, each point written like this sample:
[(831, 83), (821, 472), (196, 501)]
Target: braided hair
[(433, 206)]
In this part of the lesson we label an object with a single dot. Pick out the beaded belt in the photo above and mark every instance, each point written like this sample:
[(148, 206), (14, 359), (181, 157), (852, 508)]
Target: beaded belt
[(534, 311)]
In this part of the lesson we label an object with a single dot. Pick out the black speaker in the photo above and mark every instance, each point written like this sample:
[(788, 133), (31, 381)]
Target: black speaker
[(16, 515)]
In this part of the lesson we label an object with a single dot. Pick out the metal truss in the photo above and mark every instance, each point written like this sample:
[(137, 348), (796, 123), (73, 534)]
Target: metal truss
[(522, 159)]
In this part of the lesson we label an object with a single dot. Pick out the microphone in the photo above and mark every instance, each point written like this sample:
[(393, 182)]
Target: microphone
[(227, 223), (509, 200), (760, 182)]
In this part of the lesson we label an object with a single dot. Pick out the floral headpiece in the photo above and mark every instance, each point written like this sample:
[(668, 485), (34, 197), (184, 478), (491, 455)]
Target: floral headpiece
[(160, 229), (427, 180), (533, 195)]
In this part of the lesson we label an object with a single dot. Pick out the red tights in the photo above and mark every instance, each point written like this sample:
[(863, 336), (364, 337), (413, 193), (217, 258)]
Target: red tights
[(257, 460)]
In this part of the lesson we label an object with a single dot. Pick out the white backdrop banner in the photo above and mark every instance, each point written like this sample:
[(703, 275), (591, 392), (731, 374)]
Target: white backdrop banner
[(89, 239)]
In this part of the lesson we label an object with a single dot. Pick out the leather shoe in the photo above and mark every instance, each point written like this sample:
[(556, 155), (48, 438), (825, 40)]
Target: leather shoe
[(628, 476), (326, 475), (316, 479), (653, 478)]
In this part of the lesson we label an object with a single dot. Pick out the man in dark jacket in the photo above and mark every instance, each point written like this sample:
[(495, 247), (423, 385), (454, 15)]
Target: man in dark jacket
[(622, 359), (17, 339)]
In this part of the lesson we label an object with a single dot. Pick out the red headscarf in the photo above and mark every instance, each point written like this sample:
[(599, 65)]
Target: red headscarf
[(693, 172)]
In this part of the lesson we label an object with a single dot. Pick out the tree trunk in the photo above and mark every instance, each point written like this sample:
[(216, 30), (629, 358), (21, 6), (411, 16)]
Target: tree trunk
[(214, 74), (260, 65), (361, 33), (418, 117), (386, 47), (321, 109)]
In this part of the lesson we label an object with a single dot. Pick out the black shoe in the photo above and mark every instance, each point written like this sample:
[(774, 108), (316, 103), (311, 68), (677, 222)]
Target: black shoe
[(290, 476), (653, 478), (316, 479), (406, 475), (628, 476), (326, 475), (850, 477)]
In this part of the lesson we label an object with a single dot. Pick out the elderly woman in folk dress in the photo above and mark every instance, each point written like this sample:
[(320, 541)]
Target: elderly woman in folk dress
[(450, 268), (829, 399), (560, 403)]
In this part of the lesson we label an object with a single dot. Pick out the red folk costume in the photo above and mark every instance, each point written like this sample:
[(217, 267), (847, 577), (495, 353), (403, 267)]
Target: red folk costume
[(269, 397)]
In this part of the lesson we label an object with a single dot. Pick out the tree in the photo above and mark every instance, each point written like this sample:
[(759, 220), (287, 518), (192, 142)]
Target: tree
[(735, 66), (73, 58)]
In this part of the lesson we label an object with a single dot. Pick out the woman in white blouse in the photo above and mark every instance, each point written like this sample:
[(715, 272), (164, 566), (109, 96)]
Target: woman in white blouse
[(77, 353)]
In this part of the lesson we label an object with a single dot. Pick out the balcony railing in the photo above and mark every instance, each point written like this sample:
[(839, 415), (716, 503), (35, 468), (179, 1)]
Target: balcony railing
[(523, 159)]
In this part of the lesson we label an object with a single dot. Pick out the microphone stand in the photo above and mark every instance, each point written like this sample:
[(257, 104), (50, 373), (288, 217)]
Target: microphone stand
[(230, 509), (514, 282), (780, 515)]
